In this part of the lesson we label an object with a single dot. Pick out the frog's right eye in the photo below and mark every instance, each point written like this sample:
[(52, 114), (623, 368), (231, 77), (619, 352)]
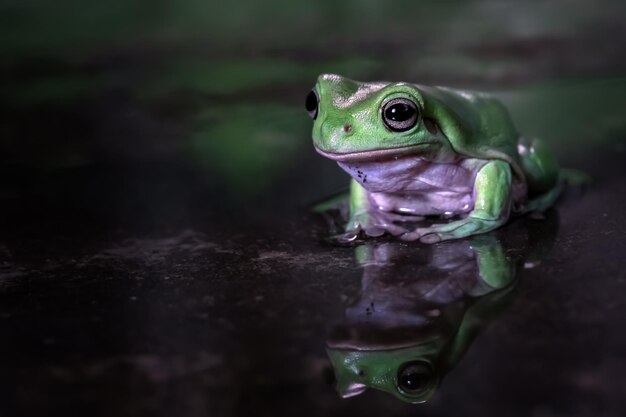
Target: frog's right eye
[(400, 114), (312, 104)]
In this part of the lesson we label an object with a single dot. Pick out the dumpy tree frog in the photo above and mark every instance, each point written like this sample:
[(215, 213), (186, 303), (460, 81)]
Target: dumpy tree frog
[(415, 151), (404, 334), (417, 313)]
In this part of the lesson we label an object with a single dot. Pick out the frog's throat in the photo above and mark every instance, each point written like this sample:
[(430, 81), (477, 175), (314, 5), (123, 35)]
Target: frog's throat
[(374, 154)]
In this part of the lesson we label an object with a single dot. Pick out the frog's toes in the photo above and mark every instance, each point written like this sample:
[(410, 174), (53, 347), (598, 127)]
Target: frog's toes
[(431, 238), (374, 231), (436, 233), (411, 236), (394, 229), (424, 235), (347, 237), (379, 229)]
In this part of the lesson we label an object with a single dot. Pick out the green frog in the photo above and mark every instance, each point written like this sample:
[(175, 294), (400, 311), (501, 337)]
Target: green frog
[(418, 312), (417, 152), (415, 320)]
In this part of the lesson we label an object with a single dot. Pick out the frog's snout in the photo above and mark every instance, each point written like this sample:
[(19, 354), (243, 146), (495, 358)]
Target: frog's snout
[(333, 135), (336, 131)]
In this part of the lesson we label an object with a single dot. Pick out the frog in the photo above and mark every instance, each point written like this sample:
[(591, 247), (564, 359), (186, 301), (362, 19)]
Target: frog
[(417, 313), (403, 335), (417, 153)]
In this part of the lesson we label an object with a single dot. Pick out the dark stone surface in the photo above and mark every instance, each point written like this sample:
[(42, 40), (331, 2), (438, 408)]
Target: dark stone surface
[(158, 255)]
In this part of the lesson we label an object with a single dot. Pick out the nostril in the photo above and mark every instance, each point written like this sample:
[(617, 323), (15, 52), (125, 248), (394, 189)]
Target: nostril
[(347, 128)]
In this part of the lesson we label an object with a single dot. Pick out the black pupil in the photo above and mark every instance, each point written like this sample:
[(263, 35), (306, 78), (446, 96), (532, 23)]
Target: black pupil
[(414, 382), (311, 102), (414, 378), (399, 112)]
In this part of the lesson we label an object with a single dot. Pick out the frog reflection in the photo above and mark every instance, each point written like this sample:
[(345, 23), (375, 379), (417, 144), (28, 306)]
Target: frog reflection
[(419, 311)]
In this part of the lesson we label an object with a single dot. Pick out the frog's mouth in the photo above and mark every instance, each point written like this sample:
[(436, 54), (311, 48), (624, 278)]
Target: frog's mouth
[(375, 154)]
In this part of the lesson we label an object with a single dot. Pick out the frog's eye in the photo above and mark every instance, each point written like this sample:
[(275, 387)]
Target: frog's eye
[(414, 377), (400, 114), (312, 104)]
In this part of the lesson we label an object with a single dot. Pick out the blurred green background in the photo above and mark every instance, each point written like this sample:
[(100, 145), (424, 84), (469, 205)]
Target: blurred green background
[(220, 85)]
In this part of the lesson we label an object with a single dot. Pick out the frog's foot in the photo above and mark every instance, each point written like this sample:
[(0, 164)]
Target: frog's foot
[(454, 230), (370, 224)]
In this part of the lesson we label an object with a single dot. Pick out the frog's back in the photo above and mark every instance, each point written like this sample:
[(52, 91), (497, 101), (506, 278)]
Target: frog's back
[(476, 124), (537, 162), (487, 122), (491, 134), (487, 112)]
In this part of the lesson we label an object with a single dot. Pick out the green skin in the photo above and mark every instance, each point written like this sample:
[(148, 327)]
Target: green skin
[(377, 366), (516, 176)]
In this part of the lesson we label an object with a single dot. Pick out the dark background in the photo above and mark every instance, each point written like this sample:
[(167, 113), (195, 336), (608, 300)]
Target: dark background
[(157, 252)]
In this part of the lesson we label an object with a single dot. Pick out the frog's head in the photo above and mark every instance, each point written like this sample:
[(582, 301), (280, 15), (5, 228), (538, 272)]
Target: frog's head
[(408, 374), (356, 121)]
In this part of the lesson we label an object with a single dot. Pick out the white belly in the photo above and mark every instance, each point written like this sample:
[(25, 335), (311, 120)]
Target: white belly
[(411, 185)]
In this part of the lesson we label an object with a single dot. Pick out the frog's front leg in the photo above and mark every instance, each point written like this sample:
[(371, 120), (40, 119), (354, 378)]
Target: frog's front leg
[(492, 201), (366, 219)]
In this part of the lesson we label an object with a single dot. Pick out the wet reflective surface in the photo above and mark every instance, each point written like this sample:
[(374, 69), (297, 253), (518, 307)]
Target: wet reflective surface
[(419, 311), (158, 254)]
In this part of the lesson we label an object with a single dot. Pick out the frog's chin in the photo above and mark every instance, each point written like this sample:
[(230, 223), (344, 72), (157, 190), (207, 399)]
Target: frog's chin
[(366, 338), (376, 154)]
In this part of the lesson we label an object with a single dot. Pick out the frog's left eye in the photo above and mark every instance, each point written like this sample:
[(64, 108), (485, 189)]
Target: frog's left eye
[(312, 104), (414, 377), (400, 114)]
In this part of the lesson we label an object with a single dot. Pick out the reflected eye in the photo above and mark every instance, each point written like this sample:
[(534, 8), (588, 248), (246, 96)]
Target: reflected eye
[(311, 104), (400, 114), (414, 377)]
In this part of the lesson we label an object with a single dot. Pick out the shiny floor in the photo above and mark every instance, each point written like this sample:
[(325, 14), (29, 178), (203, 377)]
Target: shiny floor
[(159, 255)]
